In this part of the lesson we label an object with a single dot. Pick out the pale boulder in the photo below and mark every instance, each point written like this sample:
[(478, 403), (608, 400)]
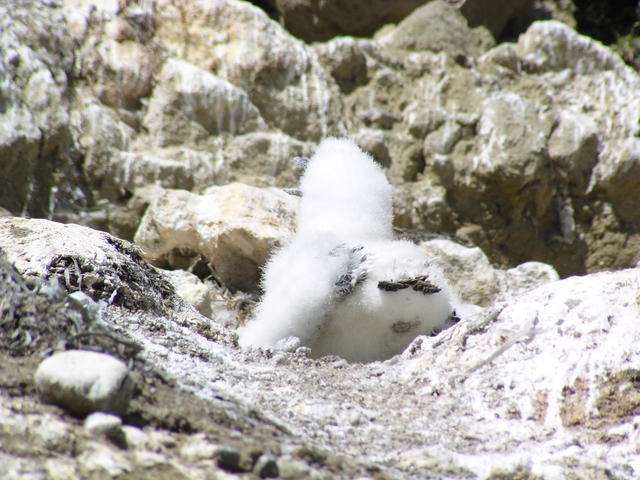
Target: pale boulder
[(234, 227), (84, 382), (470, 272)]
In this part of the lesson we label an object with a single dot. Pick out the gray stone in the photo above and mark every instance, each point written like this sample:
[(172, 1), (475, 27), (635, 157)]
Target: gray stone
[(84, 382), (228, 458)]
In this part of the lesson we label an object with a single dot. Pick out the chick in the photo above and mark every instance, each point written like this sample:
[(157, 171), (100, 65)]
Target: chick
[(343, 285)]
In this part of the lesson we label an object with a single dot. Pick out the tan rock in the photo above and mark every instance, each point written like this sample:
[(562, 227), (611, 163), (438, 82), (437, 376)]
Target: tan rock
[(467, 269), (205, 297), (234, 227), (265, 159)]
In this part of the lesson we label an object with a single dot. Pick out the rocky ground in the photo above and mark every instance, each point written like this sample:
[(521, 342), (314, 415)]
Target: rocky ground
[(511, 138)]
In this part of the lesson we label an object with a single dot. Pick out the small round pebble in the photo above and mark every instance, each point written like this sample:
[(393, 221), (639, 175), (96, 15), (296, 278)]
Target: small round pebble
[(100, 423), (84, 382), (107, 424), (266, 467), (228, 458)]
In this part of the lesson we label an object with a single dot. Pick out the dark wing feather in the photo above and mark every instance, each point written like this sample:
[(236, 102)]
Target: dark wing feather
[(419, 284), (356, 273)]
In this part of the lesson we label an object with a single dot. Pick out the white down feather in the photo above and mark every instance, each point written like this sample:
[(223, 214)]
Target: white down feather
[(324, 285)]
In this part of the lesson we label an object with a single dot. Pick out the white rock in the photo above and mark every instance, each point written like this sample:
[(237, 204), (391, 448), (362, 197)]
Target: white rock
[(61, 468), (138, 438), (469, 270), (193, 290), (84, 382), (204, 296), (198, 448), (100, 423), (526, 276)]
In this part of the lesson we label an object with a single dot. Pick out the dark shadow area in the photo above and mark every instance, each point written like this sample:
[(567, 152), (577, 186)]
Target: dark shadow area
[(607, 20)]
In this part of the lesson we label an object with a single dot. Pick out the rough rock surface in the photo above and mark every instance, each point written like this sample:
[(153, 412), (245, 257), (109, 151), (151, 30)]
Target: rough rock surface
[(233, 227), (36, 145), (543, 385), (205, 296), (237, 40), (84, 382)]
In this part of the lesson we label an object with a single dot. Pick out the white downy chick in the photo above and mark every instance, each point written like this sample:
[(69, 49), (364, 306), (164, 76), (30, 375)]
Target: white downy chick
[(343, 285)]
